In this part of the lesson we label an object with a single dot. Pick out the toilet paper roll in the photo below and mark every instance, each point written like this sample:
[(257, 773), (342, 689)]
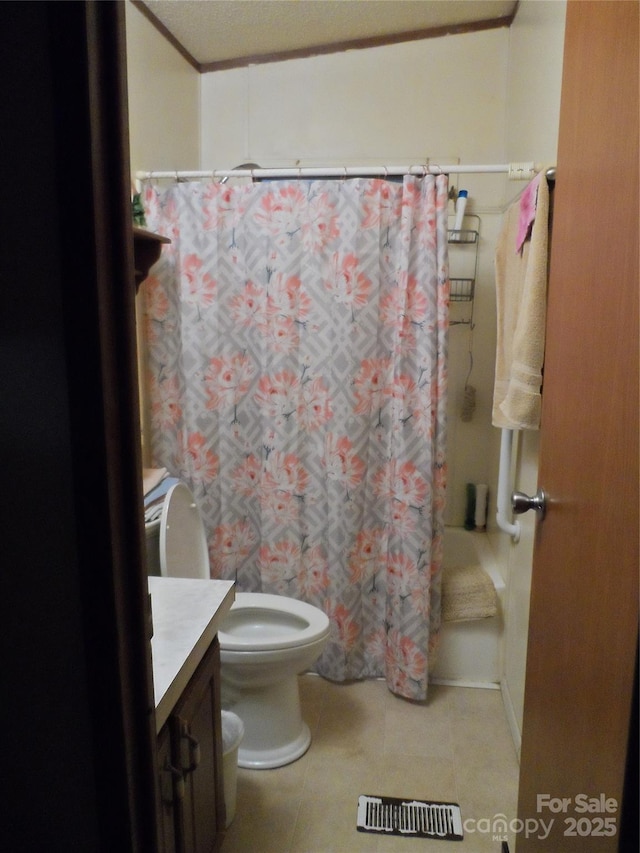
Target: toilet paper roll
[(482, 491)]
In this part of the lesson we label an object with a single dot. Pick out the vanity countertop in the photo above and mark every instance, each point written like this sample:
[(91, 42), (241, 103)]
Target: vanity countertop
[(187, 613)]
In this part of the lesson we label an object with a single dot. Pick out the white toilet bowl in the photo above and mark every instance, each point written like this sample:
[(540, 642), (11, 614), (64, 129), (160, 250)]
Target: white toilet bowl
[(265, 642)]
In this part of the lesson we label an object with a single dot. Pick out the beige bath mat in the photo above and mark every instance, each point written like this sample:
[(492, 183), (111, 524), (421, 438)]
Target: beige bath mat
[(467, 593)]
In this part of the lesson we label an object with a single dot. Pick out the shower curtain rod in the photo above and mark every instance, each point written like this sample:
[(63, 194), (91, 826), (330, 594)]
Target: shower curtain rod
[(515, 171)]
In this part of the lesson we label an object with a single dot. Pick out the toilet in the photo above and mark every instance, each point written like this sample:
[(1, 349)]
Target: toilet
[(266, 641)]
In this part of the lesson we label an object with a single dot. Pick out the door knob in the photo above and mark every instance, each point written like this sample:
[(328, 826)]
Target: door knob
[(522, 503)]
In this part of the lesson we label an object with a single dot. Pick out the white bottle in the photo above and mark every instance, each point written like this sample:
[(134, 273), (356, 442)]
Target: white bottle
[(461, 203)]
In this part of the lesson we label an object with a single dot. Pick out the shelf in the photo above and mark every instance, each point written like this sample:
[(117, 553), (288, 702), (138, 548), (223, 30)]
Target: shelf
[(463, 269), (146, 250), (462, 237), (461, 289)]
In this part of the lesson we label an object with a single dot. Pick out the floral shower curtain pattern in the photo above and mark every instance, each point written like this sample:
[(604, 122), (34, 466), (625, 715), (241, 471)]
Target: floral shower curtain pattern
[(296, 340)]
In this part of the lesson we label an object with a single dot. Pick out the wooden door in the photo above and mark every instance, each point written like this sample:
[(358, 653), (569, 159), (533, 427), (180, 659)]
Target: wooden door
[(584, 600)]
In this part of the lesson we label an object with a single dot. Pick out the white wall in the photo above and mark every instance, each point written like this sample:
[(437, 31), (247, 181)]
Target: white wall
[(164, 124), (536, 43), (407, 101), (164, 100)]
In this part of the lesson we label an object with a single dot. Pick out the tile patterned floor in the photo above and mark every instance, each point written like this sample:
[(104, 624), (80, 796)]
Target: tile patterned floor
[(456, 747)]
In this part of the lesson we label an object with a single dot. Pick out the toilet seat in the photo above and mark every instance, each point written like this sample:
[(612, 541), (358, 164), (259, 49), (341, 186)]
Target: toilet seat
[(262, 622), (183, 543)]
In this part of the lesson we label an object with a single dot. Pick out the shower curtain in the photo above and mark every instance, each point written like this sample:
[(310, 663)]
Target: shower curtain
[(296, 341)]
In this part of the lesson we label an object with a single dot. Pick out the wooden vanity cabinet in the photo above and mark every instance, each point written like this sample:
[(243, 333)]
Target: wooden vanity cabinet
[(190, 765)]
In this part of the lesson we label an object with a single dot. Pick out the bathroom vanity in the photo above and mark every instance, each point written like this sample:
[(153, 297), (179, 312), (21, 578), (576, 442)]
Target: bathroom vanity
[(186, 673)]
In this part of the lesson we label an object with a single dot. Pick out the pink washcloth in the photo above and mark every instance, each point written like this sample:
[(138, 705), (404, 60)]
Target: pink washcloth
[(528, 204)]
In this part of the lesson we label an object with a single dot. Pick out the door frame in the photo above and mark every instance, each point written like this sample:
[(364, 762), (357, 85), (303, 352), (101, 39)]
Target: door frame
[(79, 732)]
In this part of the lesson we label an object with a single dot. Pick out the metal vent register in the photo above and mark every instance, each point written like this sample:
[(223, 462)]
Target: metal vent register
[(416, 818)]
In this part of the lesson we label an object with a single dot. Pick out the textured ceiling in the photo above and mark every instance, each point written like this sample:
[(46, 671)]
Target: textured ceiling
[(228, 31)]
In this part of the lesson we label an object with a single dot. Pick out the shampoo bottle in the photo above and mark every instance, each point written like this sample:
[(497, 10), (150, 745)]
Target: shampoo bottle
[(461, 204)]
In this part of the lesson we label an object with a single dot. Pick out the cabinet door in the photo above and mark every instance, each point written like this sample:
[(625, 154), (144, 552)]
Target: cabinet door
[(168, 795), (196, 729)]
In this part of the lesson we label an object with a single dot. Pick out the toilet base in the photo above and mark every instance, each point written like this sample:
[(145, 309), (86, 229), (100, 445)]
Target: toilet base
[(274, 732), (267, 759)]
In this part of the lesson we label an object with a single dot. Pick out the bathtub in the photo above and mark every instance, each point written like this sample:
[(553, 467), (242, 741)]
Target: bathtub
[(470, 653)]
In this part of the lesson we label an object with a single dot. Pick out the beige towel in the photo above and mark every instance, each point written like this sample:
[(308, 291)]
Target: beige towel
[(521, 297), (467, 593)]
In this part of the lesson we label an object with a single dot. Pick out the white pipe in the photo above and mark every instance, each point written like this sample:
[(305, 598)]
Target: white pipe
[(503, 513), (522, 171)]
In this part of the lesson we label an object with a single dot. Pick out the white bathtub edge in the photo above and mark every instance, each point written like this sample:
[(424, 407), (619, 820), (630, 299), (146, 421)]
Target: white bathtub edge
[(470, 653), (463, 682)]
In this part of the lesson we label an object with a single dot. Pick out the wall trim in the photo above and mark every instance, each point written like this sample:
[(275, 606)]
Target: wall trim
[(322, 49), (510, 714)]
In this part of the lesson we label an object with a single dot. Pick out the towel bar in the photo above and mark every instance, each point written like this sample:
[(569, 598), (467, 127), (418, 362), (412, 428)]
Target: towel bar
[(503, 499)]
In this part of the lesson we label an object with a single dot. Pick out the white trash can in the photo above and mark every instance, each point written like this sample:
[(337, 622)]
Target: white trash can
[(232, 734)]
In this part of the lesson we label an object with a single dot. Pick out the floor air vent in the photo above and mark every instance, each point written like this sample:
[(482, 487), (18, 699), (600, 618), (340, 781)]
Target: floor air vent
[(413, 818)]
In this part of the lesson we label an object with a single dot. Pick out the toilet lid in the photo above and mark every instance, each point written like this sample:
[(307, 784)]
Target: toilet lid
[(183, 543)]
